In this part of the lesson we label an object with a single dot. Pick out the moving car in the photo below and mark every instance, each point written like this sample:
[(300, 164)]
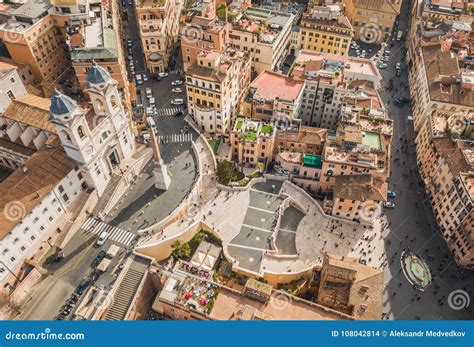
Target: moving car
[(145, 78), (391, 194), (177, 90), (389, 204), (151, 101), (177, 101), (382, 66), (179, 113), (398, 102), (398, 66), (177, 83), (102, 237), (162, 74)]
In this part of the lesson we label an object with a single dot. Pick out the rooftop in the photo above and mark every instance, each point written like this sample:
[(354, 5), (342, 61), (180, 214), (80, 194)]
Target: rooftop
[(360, 187), (32, 9), (270, 86), (26, 187), (252, 129), (31, 110)]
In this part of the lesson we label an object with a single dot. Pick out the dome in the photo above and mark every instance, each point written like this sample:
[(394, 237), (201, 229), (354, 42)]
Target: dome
[(97, 74), (62, 104)]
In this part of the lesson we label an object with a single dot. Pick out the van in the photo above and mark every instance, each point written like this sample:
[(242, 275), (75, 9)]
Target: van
[(148, 92), (139, 79), (102, 237)]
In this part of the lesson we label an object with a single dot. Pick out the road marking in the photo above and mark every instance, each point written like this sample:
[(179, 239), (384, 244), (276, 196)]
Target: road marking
[(116, 234), (170, 111), (175, 138)]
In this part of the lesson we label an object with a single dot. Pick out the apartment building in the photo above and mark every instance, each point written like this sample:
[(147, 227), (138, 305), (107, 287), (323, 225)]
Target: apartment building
[(202, 30), (216, 85), (29, 36), (252, 142), (445, 160), (11, 85), (158, 22), (98, 37), (358, 198), (328, 79), (438, 83), (265, 34), (273, 96), (322, 30), (372, 20)]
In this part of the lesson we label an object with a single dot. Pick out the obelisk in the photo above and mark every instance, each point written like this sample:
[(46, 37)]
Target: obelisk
[(162, 179)]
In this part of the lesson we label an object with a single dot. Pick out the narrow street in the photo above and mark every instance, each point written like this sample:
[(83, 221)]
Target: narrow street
[(411, 226)]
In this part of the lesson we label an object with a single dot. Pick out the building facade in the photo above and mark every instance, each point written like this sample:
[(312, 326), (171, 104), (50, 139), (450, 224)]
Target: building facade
[(216, 84)]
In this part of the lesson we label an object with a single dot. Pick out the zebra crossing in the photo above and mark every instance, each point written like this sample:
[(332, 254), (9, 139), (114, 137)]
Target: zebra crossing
[(118, 235), (175, 138), (170, 111)]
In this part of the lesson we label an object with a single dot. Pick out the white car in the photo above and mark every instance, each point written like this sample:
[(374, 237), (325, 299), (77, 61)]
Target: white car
[(383, 66), (177, 101), (385, 59), (177, 90), (398, 66), (130, 57), (148, 93), (151, 101), (177, 83), (102, 237), (138, 79), (129, 43), (162, 74), (389, 204)]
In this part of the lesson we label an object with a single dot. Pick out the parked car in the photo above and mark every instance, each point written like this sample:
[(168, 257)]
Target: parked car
[(179, 113), (129, 43), (391, 194), (145, 78), (82, 286), (398, 102), (162, 74), (130, 57), (151, 101), (99, 257), (177, 90), (102, 237), (383, 66), (398, 66), (177, 83), (389, 204), (177, 101)]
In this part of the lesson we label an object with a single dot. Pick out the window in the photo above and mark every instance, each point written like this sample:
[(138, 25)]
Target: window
[(80, 132), (12, 80)]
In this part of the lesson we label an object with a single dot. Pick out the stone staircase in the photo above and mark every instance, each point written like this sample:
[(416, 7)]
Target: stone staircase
[(109, 190), (127, 290)]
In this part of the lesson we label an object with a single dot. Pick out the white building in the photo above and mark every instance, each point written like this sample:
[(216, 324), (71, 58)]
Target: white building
[(99, 140), (11, 85), (327, 82)]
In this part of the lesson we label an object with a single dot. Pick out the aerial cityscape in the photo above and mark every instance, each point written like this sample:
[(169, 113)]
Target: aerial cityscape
[(236, 160)]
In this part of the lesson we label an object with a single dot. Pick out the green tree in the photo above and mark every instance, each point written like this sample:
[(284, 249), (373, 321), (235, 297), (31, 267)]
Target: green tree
[(180, 250)]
